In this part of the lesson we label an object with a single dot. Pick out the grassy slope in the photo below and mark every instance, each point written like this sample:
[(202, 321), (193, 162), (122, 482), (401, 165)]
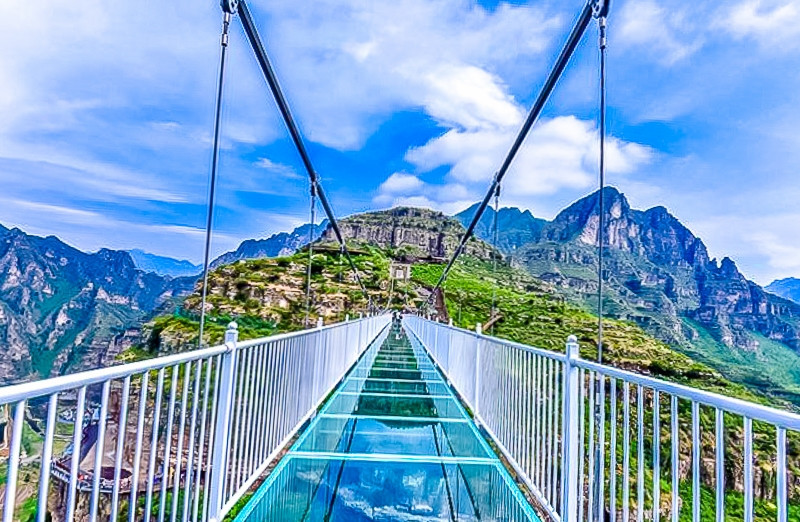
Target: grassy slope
[(536, 317)]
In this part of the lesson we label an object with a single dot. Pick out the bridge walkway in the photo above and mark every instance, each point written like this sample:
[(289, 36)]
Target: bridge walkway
[(392, 443)]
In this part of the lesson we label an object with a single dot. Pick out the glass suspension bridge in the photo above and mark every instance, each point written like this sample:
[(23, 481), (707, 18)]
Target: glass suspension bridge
[(391, 417)]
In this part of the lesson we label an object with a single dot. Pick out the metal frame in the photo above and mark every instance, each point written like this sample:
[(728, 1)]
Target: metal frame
[(516, 393), (206, 421)]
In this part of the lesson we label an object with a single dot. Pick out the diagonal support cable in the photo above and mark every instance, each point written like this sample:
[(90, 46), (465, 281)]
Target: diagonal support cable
[(226, 21), (592, 7), (269, 75)]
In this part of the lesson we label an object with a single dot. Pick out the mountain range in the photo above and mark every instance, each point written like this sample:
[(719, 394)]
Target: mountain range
[(165, 266), (658, 274), (277, 245), (788, 288), (63, 310)]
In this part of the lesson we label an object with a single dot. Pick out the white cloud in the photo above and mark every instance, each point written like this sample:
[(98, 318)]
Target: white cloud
[(560, 153), (348, 64), (280, 169), (400, 183), (772, 24), (665, 32)]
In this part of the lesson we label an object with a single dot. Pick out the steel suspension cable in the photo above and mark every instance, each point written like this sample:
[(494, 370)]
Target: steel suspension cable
[(494, 258), (313, 216), (598, 456), (226, 20), (269, 75), (601, 234), (591, 8)]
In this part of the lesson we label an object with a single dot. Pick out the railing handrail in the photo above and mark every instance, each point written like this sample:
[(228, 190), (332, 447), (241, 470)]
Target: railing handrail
[(752, 410), (43, 387), (556, 356)]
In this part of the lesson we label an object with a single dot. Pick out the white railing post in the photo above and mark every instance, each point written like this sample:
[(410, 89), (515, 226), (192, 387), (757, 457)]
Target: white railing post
[(476, 402), (569, 425), (219, 457), (319, 322)]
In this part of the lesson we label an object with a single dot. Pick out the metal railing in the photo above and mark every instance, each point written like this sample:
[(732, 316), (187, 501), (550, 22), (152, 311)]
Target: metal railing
[(181, 437), (593, 442)]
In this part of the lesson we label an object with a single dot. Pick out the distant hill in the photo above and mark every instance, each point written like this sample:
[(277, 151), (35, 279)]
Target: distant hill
[(280, 244), (161, 265), (515, 227), (63, 310), (788, 288)]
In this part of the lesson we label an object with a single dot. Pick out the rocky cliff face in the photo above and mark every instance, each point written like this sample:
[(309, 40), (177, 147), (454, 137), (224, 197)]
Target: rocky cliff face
[(658, 272), (64, 310), (277, 245), (415, 233)]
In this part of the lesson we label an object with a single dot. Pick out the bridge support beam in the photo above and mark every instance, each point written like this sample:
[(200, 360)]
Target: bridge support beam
[(570, 494)]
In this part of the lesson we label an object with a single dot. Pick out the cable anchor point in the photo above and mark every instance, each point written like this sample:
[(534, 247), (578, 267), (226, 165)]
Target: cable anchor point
[(230, 6), (600, 8)]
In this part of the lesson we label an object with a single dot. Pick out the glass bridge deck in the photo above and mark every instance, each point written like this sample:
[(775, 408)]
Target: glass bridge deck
[(391, 444)]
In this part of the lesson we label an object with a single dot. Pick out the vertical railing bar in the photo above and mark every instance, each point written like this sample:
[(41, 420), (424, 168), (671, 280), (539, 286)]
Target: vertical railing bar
[(137, 452), (201, 439), (612, 494), (626, 449), (781, 479), (47, 458), (538, 422), (176, 468), (271, 384), (601, 442), (592, 456), (695, 461), (234, 427), (122, 428), (13, 461), (263, 450), (76, 452), (719, 432), (173, 392), (748, 469), (99, 451), (656, 456), (258, 395), (551, 432), (212, 434), (247, 408), (675, 457), (153, 444), (640, 453), (581, 440), (187, 486)]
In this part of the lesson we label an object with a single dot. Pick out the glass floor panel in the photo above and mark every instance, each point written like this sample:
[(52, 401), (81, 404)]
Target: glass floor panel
[(396, 386), (385, 404), (371, 435), (391, 444)]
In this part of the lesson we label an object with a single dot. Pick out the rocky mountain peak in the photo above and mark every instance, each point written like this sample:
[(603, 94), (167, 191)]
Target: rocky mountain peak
[(414, 232)]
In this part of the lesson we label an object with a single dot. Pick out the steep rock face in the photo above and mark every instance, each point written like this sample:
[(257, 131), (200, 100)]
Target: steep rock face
[(657, 272), (413, 232), (277, 245), (63, 310)]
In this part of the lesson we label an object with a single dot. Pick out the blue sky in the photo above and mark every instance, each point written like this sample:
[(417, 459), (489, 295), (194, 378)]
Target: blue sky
[(107, 112)]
